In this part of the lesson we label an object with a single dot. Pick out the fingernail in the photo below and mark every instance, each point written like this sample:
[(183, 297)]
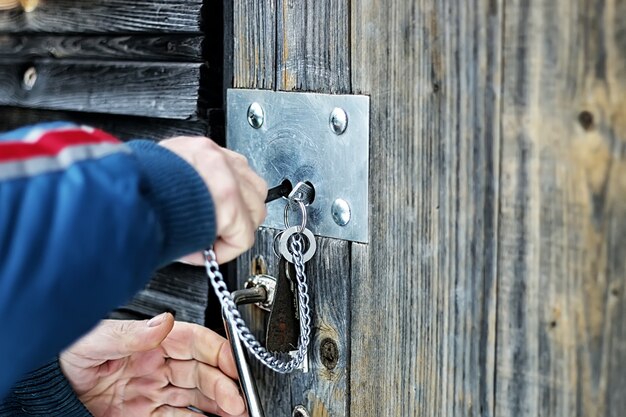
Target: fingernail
[(157, 320)]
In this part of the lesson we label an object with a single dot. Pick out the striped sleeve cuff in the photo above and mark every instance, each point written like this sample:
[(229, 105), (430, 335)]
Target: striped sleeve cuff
[(44, 392)]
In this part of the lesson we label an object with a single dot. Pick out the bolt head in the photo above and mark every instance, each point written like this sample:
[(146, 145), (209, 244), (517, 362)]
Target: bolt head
[(338, 121), (29, 79), (340, 211), (256, 116), (300, 411)]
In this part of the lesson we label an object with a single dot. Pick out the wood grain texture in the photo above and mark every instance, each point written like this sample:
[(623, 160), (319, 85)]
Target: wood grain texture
[(313, 47), (254, 44), (562, 269), (168, 90), (123, 127), (120, 48), (105, 16), (322, 390), (423, 292)]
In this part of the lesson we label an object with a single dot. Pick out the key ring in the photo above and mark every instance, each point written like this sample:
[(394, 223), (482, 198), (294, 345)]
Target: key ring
[(293, 232), (302, 210)]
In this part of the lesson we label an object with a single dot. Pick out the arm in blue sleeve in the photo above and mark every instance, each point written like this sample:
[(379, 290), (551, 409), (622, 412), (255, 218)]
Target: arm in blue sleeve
[(44, 392), (80, 232)]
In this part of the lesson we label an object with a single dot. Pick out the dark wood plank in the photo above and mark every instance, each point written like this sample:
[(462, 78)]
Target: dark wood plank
[(423, 291), (104, 16), (254, 44), (143, 89), (313, 51), (561, 305), (121, 48), (123, 127)]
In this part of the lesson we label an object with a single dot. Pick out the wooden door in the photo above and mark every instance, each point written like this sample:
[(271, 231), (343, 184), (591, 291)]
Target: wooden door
[(493, 280)]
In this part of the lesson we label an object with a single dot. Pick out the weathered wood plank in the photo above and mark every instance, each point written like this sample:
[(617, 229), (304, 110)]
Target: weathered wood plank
[(121, 48), (105, 16), (324, 390), (423, 291), (312, 54), (123, 127), (254, 44), (143, 89), (313, 48), (562, 269)]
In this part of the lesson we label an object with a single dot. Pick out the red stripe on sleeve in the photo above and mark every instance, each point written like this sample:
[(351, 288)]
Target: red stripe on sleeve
[(51, 143)]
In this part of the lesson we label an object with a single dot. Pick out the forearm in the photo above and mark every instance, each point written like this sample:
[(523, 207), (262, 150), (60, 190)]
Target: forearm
[(81, 229)]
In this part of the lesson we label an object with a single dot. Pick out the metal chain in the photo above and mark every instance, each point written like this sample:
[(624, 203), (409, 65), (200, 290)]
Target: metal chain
[(274, 362)]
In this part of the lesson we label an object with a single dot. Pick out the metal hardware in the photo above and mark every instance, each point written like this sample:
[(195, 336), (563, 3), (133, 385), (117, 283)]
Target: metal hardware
[(294, 142), (281, 190), (304, 192), (233, 317), (285, 241), (246, 379), (299, 411), (283, 323), (267, 284), (338, 121), (29, 79), (341, 212), (260, 280), (255, 115)]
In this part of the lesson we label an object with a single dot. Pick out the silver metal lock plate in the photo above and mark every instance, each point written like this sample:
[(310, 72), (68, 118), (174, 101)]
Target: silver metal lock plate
[(319, 138)]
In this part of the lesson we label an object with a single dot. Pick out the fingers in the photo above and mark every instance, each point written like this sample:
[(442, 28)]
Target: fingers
[(191, 341), (238, 193), (116, 339), (211, 382), (169, 411)]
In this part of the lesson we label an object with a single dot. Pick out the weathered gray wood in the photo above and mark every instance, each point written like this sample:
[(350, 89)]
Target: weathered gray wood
[(313, 51), (121, 48), (254, 44), (104, 16), (423, 291), (324, 390), (123, 127), (144, 89), (562, 264)]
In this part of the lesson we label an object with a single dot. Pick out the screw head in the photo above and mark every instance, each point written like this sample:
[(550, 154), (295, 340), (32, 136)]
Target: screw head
[(340, 211), (338, 121), (300, 411), (29, 79), (256, 116)]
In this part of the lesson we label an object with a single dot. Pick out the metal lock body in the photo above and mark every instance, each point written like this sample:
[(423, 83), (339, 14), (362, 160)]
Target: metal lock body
[(321, 139)]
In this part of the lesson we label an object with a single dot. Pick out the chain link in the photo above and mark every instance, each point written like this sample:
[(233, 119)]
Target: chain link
[(277, 363)]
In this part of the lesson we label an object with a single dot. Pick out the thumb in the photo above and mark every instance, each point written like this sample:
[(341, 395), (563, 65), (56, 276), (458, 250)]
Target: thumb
[(116, 339)]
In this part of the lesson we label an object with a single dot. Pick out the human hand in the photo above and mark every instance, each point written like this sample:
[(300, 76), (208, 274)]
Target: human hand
[(238, 194), (153, 368)]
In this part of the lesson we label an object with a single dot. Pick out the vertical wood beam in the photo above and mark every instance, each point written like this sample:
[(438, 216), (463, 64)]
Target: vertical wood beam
[(561, 306), (423, 292)]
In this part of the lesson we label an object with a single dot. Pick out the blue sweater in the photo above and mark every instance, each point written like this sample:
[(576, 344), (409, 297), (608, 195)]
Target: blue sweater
[(84, 220)]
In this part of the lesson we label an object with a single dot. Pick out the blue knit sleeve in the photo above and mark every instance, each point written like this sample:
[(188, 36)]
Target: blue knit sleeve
[(44, 392), (84, 221)]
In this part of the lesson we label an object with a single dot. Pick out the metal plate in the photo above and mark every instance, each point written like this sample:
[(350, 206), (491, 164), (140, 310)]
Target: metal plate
[(296, 141)]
